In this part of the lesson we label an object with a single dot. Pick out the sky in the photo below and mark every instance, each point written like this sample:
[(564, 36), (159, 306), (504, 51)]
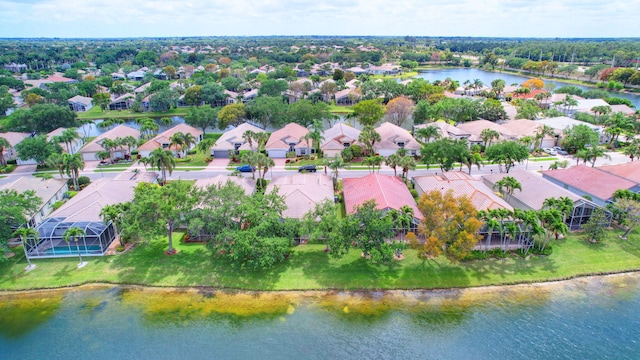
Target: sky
[(170, 18)]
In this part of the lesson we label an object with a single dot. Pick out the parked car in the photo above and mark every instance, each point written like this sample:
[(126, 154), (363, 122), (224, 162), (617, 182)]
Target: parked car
[(307, 168), (549, 151), (560, 150), (245, 168)]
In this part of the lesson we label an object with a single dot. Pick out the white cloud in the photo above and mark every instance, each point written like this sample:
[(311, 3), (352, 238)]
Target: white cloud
[(119, 18)]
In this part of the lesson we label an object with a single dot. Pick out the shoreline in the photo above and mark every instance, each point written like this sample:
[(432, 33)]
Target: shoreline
[(211, 289)]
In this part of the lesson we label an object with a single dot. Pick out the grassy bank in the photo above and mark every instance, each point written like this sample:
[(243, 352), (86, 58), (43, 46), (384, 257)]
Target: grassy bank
[(310, 268), (96, 113)]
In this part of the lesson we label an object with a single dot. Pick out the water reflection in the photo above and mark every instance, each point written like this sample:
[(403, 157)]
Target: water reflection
[(23, 313)]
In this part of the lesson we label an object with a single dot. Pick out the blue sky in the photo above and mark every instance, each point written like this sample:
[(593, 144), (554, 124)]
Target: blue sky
[(140, 18)]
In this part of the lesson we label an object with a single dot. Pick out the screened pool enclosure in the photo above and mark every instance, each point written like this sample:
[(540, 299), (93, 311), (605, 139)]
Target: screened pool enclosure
[(98, 236)]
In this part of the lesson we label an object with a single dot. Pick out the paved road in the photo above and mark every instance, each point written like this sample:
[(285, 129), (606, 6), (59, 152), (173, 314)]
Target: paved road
[(278, 171)]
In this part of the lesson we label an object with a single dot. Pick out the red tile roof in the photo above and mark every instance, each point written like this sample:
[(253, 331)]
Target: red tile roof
[(389, 192), (590, 180), (629, 171)]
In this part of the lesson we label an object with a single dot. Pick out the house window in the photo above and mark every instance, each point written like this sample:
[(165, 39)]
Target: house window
[(236, 146), (400, 144), (303, 151), (346, 145), (164, 146)]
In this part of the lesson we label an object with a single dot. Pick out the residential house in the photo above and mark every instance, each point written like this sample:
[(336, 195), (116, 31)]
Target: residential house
[(447, 130), (49, 190), (592, 183), (475, 128), (337, 138), (142, 88), (83, 211), (232, 98), (357, 70), (163, 140), (523, 128), (384, 69), (247, 184), (14, 138), (535, 190), (80, 103), (122, 102), (118, 76), (137, 75), (347, 97), (629, 171), (90, 150), (388, 192), (394, 137), (250, 95), (302, 192), (288, 139), (16, 68), (461, 184), (233, 140), (561, 123), (71, 148)]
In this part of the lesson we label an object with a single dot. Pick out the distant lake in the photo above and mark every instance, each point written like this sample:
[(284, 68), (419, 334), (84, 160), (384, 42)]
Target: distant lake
[(464, 74), (591, 318)]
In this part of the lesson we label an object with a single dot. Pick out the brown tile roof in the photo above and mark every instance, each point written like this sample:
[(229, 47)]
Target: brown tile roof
[(119, 131), (629, 171), (164, 136), (535, 189), (482, 197), (389, 192), (228, 139), (14, 138), (391, 135), (593, 181), (44, 189), (476, 127), (302, 192), (336, 136), (292, 132)]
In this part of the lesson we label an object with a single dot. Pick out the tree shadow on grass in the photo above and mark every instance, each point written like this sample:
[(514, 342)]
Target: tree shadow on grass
[(193, 265)]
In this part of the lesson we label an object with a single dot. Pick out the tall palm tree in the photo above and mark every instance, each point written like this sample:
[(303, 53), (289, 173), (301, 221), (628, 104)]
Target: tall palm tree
[(164, 161), (130, 142), (25, 233), (369, 136), (57, 161), (262, 138), (407, 163), (112, 213), (263, 164), (488, 135), (177, 140), (73, 164), (393, 161), (509, 184), (249, 136), (75, 233), (425, 134), (4, 144), (188, 140), (67, 137), (109, 145), (335, 165)]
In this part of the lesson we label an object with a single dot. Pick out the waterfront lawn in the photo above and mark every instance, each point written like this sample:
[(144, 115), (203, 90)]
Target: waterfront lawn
[(310, 268), (96, 113)]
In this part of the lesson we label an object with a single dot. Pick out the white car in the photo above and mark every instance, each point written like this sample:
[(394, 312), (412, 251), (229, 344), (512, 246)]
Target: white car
[(549, 151)]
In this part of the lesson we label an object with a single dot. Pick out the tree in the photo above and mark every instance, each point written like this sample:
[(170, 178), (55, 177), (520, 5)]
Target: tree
[(164, 161), (630, 211), (36, 148), (492, 110), (67, 137), (202, 117), (426, 134), (72, 166), (15, 209), (75, 233), (498, 85), (102, 100), (509, 185), (25, 233), (392, 162), (540, 133), (323, 223), (594, 229), (231, 114), (273, 87), (369, 229), (193, 95), (407, 163), (488, 135), (369, 136), (506, 153), (43, 118), (159, 209), (399, 110), (335, 164), (449, 224), (577, 137), (369, 112), (534, 84), (4, 144), (267, 110), (305, 112), (163, 100)]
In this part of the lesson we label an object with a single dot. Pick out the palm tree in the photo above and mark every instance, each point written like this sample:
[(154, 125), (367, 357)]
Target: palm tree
[(4, 144), (166, 121), (315, 135), (392, 161), (490, 223), (262, 138), (25, 233), (540, 133), (250, 158), (488, 135), (73, 164), (188, 141), (406, 163), (57, 161), (67, 137), (163, 160), (112, 213), (596, 152), (600, 110), (470, 159), (425, 134), (177, 140), (110, 145), (205, 145), (263, 164), (249, 136), (369, 136), (129, 142), (74, 233), (335, 165), (509, 184), (477, 84)]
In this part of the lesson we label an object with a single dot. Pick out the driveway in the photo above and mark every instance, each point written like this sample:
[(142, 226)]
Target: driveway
[(218, 163)]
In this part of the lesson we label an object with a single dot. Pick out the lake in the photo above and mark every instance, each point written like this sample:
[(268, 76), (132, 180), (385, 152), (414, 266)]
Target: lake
[(463, 74), (590, 318)]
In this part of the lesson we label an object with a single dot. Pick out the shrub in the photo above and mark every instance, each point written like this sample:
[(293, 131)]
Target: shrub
[(70, 194), (134, 152), (208, 160), (57, 204), (191, 152), (120, 248), (83, 181), (414, 193), (12, 162)]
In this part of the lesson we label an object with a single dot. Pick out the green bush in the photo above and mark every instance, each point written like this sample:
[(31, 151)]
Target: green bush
[(57, 204), (12, 162), (183, 160), (134, 152), (191, 152), (83, 181), (70, 194), (414, 193)]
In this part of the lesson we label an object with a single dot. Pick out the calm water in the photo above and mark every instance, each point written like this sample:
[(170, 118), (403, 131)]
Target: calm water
[(463, 74), (594, 318)]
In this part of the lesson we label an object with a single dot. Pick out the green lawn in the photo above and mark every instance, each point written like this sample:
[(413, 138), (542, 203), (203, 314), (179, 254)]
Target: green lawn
[(195, 161), (310, 268), (405, 75), (96, 113), (338, 109), (113, 167)]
